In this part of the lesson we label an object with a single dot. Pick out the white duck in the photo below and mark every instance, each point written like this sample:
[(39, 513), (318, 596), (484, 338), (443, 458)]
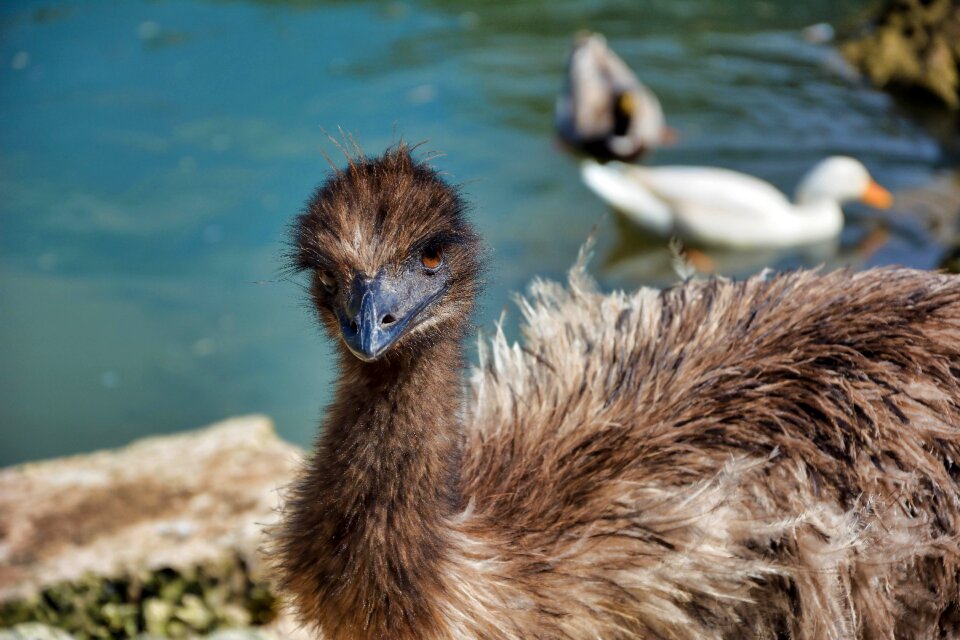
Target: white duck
[(708, 205), (604, 110)]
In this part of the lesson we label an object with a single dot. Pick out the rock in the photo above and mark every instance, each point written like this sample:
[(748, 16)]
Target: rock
[(913, 45), (820, 33), (34, 631), (156, 614), (160, 537), (194, 613), (240, 634)]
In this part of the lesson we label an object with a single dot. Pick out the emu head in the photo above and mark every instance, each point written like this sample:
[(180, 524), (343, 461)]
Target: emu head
[(394, 264)]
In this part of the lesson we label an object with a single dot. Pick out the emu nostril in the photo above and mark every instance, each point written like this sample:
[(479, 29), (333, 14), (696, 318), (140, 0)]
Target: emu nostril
[(353, 326), (388, 319)]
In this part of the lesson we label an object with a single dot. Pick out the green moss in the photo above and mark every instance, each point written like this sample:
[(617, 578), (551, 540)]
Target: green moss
[(912, 45), (168, 603)]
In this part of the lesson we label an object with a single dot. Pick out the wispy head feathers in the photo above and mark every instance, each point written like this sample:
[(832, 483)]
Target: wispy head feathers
[(375, 211)]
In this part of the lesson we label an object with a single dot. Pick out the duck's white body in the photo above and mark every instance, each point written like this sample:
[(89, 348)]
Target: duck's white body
[(721, 207)]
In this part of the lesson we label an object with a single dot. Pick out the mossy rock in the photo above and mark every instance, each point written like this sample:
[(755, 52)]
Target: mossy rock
[(37, 631), (912, 45), (164, 603), (34, 631)]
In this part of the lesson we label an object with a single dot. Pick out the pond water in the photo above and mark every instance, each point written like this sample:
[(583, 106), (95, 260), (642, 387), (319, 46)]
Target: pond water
[(152, 155)]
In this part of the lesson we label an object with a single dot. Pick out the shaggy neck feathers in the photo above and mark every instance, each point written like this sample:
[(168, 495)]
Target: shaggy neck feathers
[(371, 514), (395, 425)]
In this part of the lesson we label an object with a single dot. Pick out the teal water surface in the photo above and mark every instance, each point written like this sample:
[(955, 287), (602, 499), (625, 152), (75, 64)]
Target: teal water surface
[(153, 153)]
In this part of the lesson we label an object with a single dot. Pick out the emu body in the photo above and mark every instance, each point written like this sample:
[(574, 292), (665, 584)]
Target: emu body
[(774, 458)]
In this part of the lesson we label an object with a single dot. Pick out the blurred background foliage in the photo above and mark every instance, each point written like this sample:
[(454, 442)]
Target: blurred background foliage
[(152, 154)]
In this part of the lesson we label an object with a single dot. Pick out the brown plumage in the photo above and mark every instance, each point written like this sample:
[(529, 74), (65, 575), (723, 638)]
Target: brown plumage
[(774, 458)]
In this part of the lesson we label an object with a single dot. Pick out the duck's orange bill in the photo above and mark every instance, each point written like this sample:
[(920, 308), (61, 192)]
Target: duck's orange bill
[(877, 196), (669, 136)]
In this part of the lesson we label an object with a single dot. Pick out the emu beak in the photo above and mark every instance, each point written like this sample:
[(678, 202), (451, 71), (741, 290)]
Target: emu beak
[(876, 196), (370, 326), (379, 312)]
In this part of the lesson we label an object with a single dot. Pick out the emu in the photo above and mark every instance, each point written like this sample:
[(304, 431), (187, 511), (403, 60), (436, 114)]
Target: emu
[(774, 458)]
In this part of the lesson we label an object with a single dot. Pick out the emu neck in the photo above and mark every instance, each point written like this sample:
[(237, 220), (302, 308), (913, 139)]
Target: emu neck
[(383, 482), (394, 432)]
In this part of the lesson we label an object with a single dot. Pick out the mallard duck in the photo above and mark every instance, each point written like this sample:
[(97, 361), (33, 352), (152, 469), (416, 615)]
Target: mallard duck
[(604, 110), (712, 206), (775, 458)]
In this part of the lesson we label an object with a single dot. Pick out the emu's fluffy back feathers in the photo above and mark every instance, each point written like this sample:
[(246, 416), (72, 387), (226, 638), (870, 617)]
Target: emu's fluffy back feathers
[(777, 455)]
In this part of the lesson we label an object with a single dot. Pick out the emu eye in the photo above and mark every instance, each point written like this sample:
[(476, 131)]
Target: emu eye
[(327, 279), (432, 258)]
